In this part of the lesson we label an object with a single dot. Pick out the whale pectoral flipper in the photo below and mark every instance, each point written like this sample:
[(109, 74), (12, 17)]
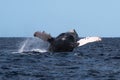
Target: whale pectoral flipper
[(88, 40), (42, 35)]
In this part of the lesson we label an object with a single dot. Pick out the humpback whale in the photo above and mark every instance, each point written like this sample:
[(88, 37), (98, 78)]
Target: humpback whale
[(65, 42)]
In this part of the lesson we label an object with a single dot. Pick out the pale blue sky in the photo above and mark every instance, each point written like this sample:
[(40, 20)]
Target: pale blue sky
[(21, 18)]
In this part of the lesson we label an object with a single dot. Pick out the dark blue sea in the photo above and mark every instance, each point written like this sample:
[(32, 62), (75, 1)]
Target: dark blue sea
[(94, 61)]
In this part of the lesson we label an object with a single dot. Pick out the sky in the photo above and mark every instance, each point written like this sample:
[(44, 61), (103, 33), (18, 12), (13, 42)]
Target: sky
[(21, 18)]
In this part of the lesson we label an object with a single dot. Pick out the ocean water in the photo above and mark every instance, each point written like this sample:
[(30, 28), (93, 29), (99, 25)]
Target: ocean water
[(94, 61)]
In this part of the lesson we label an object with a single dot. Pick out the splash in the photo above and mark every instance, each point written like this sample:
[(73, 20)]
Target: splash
[(23, 46), (33, 45)]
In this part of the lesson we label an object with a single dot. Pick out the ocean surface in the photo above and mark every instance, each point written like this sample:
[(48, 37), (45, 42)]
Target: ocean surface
[(93, 61)]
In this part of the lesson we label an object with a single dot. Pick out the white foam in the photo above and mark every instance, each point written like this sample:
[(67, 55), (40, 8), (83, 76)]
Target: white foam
[(39, 50)]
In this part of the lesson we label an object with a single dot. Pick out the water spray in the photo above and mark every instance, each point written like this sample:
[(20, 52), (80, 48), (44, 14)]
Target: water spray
[(34, 45)]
